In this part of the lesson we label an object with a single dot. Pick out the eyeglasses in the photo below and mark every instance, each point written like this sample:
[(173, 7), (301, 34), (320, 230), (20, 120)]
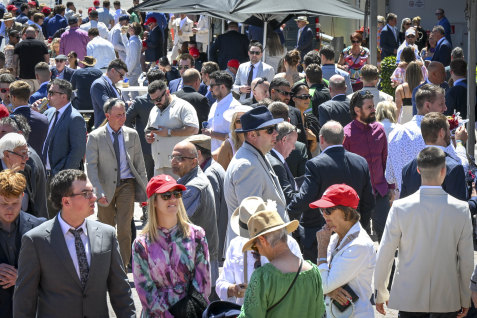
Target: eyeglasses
[(157, 100), (327, 211), (87, 194), (185, 67), (255, 52), (51, 93), (121, 75), (24, 157), (260, 82), (179, 158), (355, 41), (283, 92), (168, 195), (270, 130), (4, 90), (303, 97)]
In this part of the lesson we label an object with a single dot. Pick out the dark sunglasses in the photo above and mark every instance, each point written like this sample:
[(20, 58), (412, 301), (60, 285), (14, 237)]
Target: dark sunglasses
[(303, 97), (179, 158), (255, 52), (355, 41), (270, 130), (121, 75), (4, 90), (327, 211), (157, 100), (407, 23), (283, 92), (410, 36), (180, 67), (260, 82), (168, 195)]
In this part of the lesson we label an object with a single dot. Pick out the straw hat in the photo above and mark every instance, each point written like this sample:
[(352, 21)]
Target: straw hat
[(239, 219), (264, 222), (89, 61), (8, 17), (302, 18)]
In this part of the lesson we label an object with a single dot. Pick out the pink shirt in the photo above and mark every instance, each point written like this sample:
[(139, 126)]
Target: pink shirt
[(76, 40)]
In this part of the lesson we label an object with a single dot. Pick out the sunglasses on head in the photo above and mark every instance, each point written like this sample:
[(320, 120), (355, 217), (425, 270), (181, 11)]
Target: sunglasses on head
[(255, 52), (168, 195), (303, 97), (260, 82)]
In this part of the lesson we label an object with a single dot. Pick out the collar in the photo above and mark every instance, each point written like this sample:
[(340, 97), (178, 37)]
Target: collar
[(188, 176), (62, 110), (440, 41), (111, 131), (334, 97), (226, 100), (256, 65), (65, 227), (133, 37), (332, 146), (301, 29), (23, 106), (459, 80), (389, 26), (206, 163), (184, 20), (106, 76), (361, 125), (256, 149), (47, 82), (430, 187), (279, 155), (440, 147)]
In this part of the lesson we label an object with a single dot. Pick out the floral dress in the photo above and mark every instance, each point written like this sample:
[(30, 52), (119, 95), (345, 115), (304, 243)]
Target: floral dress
[(162, 269), (355, 63)]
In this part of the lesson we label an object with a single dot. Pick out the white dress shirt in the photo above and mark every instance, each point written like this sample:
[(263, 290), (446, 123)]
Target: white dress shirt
[(234, 263), (216, 119), (353, 265), (70, 242), (102, 50), (102, 28)]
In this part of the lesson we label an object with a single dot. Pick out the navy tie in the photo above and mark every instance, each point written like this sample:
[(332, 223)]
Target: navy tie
[(249, 79)]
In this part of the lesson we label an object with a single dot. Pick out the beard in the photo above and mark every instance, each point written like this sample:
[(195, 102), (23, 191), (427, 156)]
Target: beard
[(371, 118)]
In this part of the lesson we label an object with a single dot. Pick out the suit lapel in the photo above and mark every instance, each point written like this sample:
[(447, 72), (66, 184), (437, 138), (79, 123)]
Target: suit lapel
[(95, 237), (58, 243), (60, 121), (107, 138)]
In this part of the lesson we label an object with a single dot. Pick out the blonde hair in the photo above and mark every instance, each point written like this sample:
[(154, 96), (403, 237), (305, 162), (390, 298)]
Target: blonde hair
[(151, 227), (235, 137), (386, 110)]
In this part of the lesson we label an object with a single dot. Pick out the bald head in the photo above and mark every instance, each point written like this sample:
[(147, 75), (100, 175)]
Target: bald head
[(191, 77), (187, 148), (30, 33), (331, 133), (437, 72), (337, 85), (184, 158)]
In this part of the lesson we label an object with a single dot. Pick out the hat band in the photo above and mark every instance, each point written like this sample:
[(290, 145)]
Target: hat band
[(243, 225), (266, 229)]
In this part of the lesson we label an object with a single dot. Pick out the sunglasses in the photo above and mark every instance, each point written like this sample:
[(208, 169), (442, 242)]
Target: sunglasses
[(260, 82), (168, 195), (327, 211), (121, 75), (4, 90), (87, 194), (410, 36), (157, 100), (270, 130), (185, 67), (179, 158), (355, 41), (303, 97), (255, 52), (283, 92)]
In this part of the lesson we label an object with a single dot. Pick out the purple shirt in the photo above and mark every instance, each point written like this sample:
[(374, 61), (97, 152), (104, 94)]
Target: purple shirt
[(369, 141), (76, 40)]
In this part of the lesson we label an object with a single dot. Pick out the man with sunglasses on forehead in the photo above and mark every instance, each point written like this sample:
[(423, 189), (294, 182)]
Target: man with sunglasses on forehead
[(171, 121), (104, 88), (71, 264), (248, 71), (250, 172), (115, 166)]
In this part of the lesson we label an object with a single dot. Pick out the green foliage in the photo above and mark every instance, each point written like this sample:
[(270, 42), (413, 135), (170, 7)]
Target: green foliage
[(388, 65)]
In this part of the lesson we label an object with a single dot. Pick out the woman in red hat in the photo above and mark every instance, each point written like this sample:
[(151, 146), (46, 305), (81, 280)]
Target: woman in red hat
[(171, 255), (346, 259)]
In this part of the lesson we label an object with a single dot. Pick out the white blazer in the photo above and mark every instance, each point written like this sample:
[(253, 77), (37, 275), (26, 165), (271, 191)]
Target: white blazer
[(433, 232), (264, 70)]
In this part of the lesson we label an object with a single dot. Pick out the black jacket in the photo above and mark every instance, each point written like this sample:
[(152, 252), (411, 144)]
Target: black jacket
[(335, 109), (197, 100), (287, 181), (228, 46)]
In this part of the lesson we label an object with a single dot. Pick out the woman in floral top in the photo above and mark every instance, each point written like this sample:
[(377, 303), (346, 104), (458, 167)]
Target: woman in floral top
[(169, 252), (353, 58)]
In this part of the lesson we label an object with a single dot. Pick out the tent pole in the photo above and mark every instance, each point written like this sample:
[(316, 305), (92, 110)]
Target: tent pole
[(265, 25), (373, 31), (472, 26)]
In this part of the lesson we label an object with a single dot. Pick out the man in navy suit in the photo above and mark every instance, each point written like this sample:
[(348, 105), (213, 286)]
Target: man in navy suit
[(304, 42), (42, 75), (19, 94), (154, 40), (443, 49), (456, 96), (185, 62), (442, 20), (61, 71), (230, 45), (332, 166), (103, 89), (389, 37), (65, 144), (13, 224), (435, 132)]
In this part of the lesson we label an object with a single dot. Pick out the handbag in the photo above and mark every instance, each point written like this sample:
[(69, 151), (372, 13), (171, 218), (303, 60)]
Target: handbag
[(344, 310), (192, 305), (289, 288)]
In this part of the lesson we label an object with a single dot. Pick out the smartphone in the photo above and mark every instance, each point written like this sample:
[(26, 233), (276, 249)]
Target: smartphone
[(205, 124)]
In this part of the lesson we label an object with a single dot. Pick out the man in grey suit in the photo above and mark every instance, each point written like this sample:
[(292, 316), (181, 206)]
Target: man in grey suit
[(115, 166), (65, 143), (248, 71), (250, 173), (433, 231), (69, 264)]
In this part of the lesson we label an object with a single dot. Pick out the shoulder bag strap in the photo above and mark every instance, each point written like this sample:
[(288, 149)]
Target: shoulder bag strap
[(245, 268), (289, 288)]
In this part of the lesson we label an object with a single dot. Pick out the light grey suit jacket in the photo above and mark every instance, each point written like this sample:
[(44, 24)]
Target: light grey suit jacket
[(101, 163), (433, 232), (264, 70), (251, 174), (46, 272)]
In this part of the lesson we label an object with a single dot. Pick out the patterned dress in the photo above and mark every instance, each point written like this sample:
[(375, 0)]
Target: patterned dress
[(162, 269), (355, 63)]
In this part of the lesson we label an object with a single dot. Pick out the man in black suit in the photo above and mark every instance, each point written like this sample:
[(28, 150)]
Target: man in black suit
[(435, 132), (60, 70), (191, 83), (338, 107), (332, 166), (230, 45), (443, 49), (13, 224), (389, 37), (154, 40), (19, 94), (456, 96), (304, 42), (286, 139)]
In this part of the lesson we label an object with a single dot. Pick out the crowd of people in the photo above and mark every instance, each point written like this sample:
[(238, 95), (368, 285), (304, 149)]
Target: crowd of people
[(267, 176)]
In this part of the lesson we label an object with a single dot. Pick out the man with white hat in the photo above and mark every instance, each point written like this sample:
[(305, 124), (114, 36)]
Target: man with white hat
[(9, 24), (304, 42), (410, 40)]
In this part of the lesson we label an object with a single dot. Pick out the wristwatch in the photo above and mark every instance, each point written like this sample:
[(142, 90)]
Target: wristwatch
[(169, 132)]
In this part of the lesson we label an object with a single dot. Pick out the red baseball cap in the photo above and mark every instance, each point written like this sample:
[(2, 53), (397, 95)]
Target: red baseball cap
[(91, 9), (150, 20), (11, 7), (46, 10), (194, 52), (233, 63), (32, 3), (96, 3), (337, 194), (161, 184)]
